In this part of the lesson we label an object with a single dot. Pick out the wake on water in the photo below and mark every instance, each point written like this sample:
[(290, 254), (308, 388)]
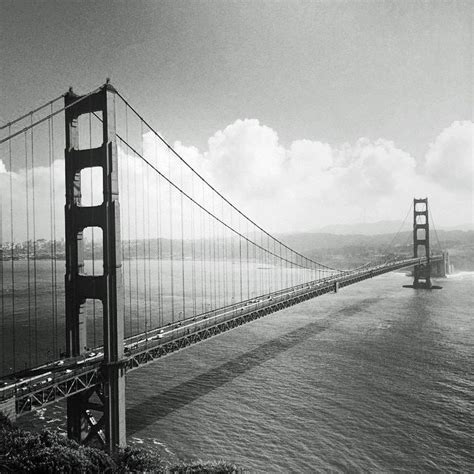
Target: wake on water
[(461, 275)]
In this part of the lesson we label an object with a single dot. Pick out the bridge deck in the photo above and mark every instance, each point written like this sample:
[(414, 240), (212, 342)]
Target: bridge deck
[(59, 380)]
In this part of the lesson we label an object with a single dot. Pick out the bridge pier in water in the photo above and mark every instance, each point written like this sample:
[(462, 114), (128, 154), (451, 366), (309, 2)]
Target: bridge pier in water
[(109, 396), (442, 268)]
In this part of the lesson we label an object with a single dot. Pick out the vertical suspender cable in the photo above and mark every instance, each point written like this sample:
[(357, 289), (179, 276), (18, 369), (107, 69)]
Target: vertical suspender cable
[(224, 263), (160, 251), (182, 246), (123, 230), (232, 272), (171, 238), (144, 244), (35, 288), (222, 249), (55, 292), (216, 259), (248, 260), (240, 262), (282, 263), (148, 197), (204, 239), (28, 248), (129, 227), (148, 246), (268, 270), (214, 270), (51, 224), (121, 165), (12, 256), (202, 258), (274, 269), (135, 211), (255, 266), (193, 250), (225, 259), (158, 234)]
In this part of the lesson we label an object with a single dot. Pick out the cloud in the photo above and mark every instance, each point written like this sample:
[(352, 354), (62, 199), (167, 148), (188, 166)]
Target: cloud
[(247, 157), (372, 170), (48, 207), (299, 187), (450, 158), (309, 183)]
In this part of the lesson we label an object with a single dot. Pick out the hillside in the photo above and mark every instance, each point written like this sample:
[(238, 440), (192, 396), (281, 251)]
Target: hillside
[(355, 249)]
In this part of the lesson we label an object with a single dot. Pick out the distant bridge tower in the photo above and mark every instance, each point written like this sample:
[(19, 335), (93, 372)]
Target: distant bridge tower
[(421, 238), (95, 415)]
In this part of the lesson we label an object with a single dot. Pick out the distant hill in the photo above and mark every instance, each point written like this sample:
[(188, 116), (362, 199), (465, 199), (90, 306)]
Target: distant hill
[(351, 249), (308, 241), (465, 227), (372, 228), (380, 227)]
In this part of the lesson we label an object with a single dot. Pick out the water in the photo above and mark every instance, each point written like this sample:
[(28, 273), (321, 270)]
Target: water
[(155, 292), (375, 378)]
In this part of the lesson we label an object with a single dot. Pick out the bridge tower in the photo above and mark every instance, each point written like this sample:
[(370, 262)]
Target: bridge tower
[(421, 238), (94, 416)]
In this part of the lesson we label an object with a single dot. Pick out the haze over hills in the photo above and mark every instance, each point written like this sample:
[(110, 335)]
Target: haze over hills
[(380, 227), (349, 250), (367, 228)]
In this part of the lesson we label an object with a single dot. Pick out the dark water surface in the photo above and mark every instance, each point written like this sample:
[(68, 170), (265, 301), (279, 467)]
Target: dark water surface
[(375, 378)]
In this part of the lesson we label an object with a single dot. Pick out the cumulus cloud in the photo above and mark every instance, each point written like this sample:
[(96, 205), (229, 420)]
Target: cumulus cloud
[(34, 213), (450, 159), (309, 183), (302, 186), (246, 145)]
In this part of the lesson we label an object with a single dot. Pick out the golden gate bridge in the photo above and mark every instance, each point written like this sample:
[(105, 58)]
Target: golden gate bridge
[(144, 258)]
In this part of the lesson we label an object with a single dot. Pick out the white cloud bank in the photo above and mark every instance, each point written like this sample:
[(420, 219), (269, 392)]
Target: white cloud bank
[(302, 187), (311, 184), (450, 159)]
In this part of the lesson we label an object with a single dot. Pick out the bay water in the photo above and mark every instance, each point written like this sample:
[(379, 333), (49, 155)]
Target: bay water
[(375, 378)]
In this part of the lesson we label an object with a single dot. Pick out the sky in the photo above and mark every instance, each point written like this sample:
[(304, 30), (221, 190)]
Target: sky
[(304, 113)]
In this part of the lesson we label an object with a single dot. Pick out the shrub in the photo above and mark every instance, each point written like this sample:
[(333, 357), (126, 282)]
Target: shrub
[(205, 467), (137, 459), (47, 452)]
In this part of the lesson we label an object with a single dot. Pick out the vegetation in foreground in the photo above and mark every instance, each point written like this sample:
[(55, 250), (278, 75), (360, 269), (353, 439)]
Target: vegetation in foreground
[(47, 452)]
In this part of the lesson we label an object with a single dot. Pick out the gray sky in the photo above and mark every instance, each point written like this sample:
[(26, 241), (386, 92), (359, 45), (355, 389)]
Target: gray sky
[(327, 72)]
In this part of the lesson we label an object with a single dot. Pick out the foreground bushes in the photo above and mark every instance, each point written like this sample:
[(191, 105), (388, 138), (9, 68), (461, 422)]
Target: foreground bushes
[(46, 452)]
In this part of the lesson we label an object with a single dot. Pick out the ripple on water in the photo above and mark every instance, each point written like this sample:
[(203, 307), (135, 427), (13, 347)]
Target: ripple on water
[(376, 378)]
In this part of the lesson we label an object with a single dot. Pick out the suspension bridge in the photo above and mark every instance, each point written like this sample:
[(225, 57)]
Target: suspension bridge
[(144, 258)]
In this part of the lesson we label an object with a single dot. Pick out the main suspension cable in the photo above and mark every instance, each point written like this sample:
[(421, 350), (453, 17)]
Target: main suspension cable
[(174, 152), (174, 186), (31, 112), (47, 117)]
